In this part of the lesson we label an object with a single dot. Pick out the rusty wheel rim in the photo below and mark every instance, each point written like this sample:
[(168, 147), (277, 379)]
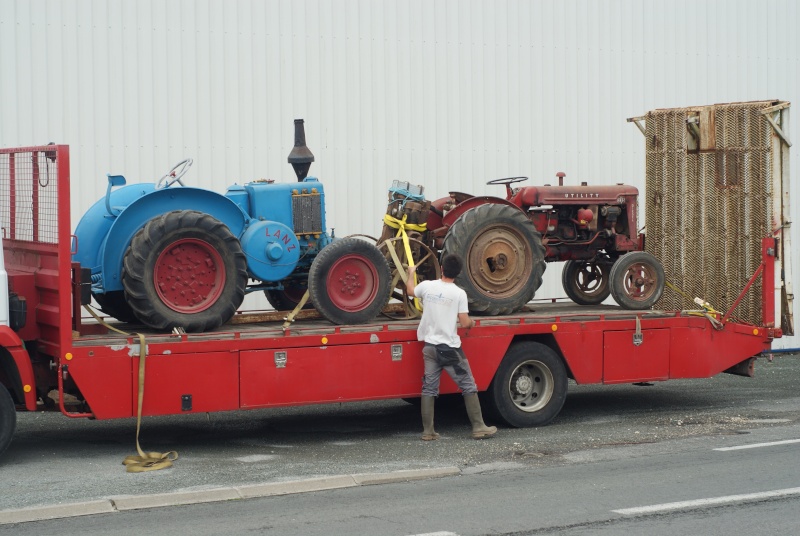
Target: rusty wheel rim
[(640, 281), (590, 279), (496, 261)]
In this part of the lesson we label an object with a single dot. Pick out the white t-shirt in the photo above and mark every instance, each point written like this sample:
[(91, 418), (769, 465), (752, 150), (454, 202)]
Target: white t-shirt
[(441, 303)]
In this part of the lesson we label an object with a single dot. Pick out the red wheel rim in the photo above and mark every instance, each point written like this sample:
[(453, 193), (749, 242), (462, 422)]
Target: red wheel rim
[(352, 283), (189, 276), (640, 281)]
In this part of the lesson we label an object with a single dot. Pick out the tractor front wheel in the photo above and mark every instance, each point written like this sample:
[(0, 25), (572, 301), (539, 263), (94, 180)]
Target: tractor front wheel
[(637, 280), (349, 281), (586, 283), (184, 269), (503, 258)]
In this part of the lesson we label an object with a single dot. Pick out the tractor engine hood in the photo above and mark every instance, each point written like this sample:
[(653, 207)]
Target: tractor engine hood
[(560, 195)]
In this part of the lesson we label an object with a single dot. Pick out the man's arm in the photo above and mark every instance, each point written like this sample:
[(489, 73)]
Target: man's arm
[(465, 320), (410, 285)]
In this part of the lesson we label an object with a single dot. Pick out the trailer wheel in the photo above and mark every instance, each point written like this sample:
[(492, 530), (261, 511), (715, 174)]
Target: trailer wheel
[(637, 280), (349, 281), (184, 269), (586, 283), (114, 304), (288, 298), (503, 258), (530, 386), (8, 418)]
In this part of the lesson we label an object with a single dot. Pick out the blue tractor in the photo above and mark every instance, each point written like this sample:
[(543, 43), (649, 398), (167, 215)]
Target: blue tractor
[(167, 255)]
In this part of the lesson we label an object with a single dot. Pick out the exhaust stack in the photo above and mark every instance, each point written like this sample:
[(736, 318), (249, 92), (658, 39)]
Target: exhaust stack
[(301, 156)]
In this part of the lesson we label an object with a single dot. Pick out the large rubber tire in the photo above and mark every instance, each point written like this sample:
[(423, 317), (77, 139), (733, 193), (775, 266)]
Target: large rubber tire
[(350, 281), (637, 280), (184, 269), (586, 283), (503, 258), (116, 305), (288, 298), (8, 418), (529, 387)]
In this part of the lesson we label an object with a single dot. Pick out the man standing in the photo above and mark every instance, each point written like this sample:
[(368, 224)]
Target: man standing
[(443, 302)]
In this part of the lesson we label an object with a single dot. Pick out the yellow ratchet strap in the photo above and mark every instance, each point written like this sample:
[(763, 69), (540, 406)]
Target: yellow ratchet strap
[(402, 226), (145, 461), (708, 311)]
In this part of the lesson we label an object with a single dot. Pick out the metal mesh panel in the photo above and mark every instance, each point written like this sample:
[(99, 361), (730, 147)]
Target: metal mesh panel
[(707, 207), (29, 196), (307, 210)]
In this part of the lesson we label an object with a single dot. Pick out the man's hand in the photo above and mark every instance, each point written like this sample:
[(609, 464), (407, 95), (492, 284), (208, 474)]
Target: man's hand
[(465, 321)]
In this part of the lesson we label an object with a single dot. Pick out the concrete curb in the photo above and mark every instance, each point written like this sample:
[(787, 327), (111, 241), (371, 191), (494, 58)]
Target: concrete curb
[(136, 502)]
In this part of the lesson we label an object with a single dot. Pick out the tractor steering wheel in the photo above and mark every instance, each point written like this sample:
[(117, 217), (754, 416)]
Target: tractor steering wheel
[(507, 180), (174, 175)]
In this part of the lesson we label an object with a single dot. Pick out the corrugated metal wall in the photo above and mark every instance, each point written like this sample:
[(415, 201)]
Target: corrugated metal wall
[(448, 93)]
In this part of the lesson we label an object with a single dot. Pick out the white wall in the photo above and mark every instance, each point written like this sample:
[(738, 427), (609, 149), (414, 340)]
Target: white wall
[(448, 94)]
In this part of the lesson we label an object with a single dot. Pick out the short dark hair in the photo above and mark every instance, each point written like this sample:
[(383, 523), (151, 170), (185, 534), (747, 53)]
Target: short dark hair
[(451, 265)]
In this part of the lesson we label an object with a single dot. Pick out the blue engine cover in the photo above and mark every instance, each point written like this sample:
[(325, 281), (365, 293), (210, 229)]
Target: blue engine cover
[(272, 250)]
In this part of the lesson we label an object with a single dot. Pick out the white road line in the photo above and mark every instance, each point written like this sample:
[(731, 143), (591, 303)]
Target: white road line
[(707, 502), (757, 445), (436, 534)]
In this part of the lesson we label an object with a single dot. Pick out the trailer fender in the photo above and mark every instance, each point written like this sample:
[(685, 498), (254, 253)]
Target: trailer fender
[(158, 202), (11, 345)]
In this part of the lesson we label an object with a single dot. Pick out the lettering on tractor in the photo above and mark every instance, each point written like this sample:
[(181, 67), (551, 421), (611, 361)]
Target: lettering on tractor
[(168, 256)]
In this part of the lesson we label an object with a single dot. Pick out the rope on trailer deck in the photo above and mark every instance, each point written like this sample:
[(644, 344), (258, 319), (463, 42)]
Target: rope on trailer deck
[(144, 461)]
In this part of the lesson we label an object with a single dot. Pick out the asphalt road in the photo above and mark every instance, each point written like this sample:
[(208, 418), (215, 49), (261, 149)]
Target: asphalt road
[(698, 485), (55, 460)]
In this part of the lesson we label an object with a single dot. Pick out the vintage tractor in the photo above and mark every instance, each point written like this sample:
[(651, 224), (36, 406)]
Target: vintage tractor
[(505, 243), (170, 256)]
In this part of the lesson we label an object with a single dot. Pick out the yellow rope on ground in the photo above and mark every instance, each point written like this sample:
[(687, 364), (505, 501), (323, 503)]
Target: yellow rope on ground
[(144, 461)]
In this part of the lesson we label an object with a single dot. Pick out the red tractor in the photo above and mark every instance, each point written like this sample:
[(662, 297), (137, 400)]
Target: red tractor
[(506, 242)]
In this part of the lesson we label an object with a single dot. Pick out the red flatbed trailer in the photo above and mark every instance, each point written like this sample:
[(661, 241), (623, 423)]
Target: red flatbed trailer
[(521, 362)]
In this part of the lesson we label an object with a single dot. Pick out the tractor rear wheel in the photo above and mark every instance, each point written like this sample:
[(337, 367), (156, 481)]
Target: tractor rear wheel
[(8, 418), (503, 258), (114, 304), (637, 280), (349, 281), (184, 269), (586, 283)]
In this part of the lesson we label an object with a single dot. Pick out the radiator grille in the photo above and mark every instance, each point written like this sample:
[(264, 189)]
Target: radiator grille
[(307, 213)]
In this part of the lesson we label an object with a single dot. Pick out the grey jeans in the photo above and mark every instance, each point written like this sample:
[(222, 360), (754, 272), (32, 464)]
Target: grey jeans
[(460, 372)]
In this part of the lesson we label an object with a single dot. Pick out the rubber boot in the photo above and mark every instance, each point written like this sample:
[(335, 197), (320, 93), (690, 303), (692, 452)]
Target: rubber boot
[(426, 404), (479, 429)]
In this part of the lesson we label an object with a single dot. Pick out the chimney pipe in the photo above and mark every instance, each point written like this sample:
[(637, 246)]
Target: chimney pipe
[(301, 156)]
